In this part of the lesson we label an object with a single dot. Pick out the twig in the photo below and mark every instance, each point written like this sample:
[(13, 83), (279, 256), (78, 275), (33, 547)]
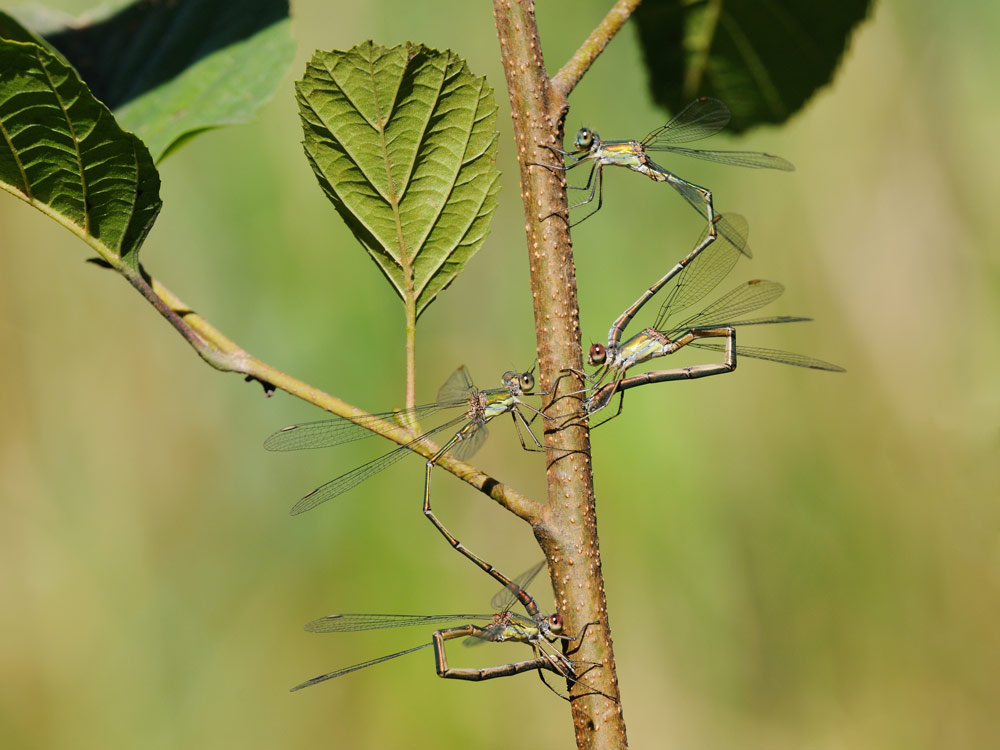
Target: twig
[(570, 74), (231, 357), (411, 352)]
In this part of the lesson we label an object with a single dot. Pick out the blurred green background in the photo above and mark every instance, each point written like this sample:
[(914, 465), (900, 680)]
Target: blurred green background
[(793, 559)]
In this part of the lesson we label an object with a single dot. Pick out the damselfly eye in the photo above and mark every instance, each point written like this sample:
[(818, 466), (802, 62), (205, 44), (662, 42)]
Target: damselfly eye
[(555, 623), (584, 138), (597, 354), (527, 381)]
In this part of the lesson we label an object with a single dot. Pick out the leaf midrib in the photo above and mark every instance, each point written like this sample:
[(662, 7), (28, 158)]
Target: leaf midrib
[(393, 198), (84, 187), (458, 170)]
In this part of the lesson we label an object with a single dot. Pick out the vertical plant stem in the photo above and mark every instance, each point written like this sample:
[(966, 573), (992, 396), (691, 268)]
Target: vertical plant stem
[(567, 531)]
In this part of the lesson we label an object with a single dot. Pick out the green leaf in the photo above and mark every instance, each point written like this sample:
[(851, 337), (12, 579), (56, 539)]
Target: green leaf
[(403, 142), (62, 151), (170, 69), (764, 60)]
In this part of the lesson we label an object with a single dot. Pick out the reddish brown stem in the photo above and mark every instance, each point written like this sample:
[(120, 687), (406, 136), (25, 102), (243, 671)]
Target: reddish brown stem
[(568, 529)]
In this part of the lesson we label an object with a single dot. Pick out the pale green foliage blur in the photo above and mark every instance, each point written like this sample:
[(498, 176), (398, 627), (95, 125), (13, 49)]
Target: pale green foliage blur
[(793, 559)]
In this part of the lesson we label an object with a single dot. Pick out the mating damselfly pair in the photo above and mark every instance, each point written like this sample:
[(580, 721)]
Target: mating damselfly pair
[(721, 244), (538, 631), (467, 433), (712, 328)]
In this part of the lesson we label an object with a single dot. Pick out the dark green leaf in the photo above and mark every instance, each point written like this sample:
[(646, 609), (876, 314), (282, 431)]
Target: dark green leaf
[(763, 59), (174, 67), (403, 142), (62, 151)]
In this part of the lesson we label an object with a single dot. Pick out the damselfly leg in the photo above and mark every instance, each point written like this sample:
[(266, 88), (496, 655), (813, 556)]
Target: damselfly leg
[(473, 432)]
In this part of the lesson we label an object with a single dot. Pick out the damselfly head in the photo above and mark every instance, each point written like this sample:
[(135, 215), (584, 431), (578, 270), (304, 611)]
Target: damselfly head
[(585, 138), (527, 381), (598, 354), (512, 381)]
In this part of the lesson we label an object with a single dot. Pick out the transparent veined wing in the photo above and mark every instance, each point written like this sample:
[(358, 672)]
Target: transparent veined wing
[(745, 298), (325, 433), (701, 118), (457, 388), (689, 191), (734, 227), (353, 478), (751, 159), (771, 319), (707, 269), (356, 667), (347, 623), (772, 355), (507, 596), (466, 448)]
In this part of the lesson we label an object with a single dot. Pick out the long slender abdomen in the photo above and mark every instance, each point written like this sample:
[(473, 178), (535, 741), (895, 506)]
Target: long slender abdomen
[(652, 170)]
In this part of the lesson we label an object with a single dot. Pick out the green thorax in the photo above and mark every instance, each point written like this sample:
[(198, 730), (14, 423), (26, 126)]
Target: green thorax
[(628, 154), (645, 345)]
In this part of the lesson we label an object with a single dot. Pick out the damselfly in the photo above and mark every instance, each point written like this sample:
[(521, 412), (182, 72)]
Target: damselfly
[(458, 392), (700, 119), (693, 278), (538, 631)]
